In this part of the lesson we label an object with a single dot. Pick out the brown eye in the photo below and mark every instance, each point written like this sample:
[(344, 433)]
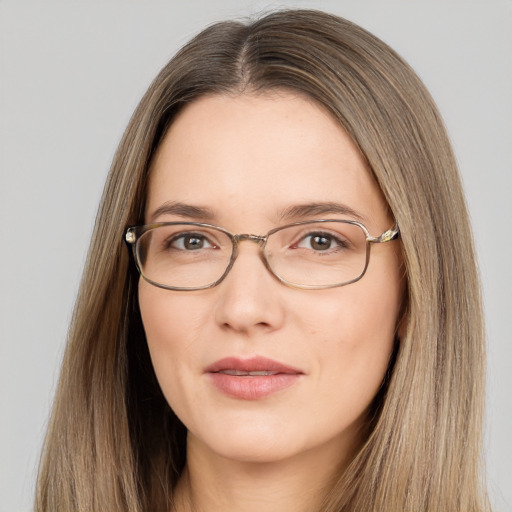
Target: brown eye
[(190, 242), (193, 242), (320, 242)]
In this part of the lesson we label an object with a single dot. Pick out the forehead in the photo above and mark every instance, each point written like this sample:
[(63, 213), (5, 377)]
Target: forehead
[(251, 156)]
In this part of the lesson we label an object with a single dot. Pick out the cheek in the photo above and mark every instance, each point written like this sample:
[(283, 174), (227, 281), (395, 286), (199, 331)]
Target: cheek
[(171, 327), (158, 318), (352, 319), (169, 316), (354, 331)]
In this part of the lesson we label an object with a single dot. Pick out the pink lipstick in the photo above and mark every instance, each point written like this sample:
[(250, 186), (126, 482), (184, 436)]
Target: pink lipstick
[(251, 379)]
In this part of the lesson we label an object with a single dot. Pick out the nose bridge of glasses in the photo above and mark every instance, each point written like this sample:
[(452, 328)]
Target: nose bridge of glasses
[(257, 239), (261, 241)]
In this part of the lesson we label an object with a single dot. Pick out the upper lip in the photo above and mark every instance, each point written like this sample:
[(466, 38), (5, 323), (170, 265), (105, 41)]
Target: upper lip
[(253, 364)]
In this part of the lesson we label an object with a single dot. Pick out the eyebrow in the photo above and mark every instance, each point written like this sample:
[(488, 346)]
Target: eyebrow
[(302, 211), (292, 213), (186, 211)]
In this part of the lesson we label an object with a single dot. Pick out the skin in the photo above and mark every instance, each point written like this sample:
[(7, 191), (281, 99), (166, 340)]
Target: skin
[(247, 158)]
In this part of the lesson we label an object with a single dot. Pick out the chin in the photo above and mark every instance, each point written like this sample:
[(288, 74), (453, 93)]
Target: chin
[(258, 445)]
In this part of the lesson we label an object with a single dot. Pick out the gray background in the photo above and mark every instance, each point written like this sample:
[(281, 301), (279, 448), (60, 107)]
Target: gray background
[(71, 73)]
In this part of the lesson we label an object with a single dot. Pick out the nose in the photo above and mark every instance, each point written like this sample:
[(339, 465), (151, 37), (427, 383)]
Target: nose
[(249, 299)]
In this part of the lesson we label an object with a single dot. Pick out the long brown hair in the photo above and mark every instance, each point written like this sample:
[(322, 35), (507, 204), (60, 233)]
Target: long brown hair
[(113, 442)]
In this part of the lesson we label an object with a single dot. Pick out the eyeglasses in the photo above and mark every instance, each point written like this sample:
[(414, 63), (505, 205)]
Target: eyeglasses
[(308, 255)]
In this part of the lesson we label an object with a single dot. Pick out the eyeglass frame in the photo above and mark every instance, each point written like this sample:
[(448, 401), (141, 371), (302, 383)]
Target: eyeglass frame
[(134, 233)]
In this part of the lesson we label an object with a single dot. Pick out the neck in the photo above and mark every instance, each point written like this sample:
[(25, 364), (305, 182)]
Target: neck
[(212, 483)]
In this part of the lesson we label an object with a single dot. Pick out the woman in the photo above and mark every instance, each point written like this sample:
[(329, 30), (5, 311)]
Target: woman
[(250, 352)]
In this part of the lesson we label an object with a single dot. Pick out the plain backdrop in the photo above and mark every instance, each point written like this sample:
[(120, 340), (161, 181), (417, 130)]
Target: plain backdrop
[(71, 73)]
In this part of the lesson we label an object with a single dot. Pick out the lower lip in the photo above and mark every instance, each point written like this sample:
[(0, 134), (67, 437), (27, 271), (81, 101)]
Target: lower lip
[(253, 388)]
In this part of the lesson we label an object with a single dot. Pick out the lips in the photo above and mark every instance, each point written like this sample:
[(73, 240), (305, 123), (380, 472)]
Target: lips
[(242, 373), (251, 379)]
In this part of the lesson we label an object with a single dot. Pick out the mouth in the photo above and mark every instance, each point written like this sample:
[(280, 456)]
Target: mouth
[(254, 366), (251, 379), (241, 373)]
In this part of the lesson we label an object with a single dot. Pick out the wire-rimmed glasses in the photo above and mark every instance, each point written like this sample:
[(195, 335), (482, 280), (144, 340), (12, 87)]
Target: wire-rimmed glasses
[(314, 254)]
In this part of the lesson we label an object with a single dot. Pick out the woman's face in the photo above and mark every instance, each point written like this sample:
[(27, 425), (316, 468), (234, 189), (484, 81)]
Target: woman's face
[(246, 163)]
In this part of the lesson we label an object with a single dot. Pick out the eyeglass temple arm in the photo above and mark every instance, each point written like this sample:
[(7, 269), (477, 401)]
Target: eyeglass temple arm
[(387, 236)]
